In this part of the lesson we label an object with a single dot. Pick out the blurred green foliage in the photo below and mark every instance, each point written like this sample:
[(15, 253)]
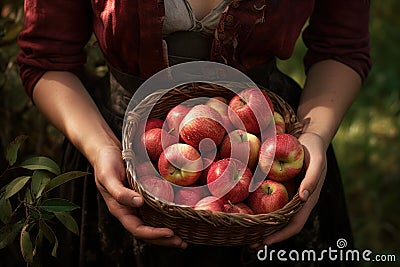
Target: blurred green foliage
[(366, 144), (368, 141)]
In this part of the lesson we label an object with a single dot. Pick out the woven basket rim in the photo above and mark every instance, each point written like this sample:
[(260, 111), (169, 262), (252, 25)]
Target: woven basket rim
[(216, 220)]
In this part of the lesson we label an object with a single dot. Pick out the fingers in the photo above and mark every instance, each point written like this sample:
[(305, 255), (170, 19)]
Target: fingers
[(315, 172), (122, 201), (309, 189), (315, 160), (149, 234), (298, 221), (133, 224), (111, 181), (173, 241), (122, 194), (293, 228)]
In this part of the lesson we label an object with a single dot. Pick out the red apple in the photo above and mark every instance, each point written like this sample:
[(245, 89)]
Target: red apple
[(279, 121), (155, 141), (157, 187), (189, 196), (210, 203), (241, 145), (237, 208), (146, 168), (229, 179), (268, 197), (200, 126), (287, 157), (180, 164), (174, 118), (254, 110), (220, 104), (152, 123), (146, 125)]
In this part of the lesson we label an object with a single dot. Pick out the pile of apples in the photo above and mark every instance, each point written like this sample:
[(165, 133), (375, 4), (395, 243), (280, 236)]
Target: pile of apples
[(204, 156)]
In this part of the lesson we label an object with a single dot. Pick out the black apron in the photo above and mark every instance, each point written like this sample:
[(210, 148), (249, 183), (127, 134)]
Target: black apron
[(103, 240)]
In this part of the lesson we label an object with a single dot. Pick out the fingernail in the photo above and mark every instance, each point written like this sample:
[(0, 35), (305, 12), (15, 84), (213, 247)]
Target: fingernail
[(255, 246), (305, 194), (184, 245), (169, 235), (268, 242), (137, 201)]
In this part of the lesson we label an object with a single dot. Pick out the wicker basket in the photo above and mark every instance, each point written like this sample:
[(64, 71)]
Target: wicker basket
[(200, 226)]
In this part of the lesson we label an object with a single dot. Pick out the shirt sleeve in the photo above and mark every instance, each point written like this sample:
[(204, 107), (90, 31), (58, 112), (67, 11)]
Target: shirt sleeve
[(53, 38), (339, 30)]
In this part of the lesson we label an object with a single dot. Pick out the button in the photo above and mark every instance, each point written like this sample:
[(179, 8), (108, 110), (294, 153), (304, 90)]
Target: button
[(229, 18), (199, 26), (221, 36), (235, 4)]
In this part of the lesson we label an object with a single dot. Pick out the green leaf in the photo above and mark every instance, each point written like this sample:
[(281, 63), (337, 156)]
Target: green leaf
[(50, 236), (63, 178), (40, 179), (38, 241), (13, 147), (5, 210), (15, 185), (68, 221), (37, 214), (58, 205), (9, 232), (26, 244), (41, 163), (28, 196)]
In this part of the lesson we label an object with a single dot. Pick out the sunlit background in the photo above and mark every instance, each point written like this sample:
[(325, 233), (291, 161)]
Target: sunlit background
[(367, 143)]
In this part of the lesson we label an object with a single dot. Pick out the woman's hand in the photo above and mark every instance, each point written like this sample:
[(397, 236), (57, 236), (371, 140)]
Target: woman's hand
[(330, 88), (122, 202), (62, 97), (309, 190)]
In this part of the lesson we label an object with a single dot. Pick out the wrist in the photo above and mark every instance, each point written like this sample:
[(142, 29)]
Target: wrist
[(320, 122), (93, 145), (325, 143)]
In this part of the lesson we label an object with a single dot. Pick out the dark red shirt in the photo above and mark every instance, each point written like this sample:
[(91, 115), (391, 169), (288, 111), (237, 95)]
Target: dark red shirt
[(250, 32)]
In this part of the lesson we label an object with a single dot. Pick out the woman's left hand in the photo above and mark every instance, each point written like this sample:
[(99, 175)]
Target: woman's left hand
[(309, 190)]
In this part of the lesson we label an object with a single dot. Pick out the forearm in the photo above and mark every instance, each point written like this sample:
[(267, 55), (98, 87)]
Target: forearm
[(330, 89), (62, 98)]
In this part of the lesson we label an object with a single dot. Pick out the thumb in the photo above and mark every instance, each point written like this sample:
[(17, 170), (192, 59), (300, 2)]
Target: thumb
[(315, 163), (111, 186), (124, 195), (316, 170)]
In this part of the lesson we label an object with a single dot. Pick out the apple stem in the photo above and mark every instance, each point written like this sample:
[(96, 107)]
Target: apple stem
[(236, 175), (242, 137), (172, 172), (280, 165), (269, 190)]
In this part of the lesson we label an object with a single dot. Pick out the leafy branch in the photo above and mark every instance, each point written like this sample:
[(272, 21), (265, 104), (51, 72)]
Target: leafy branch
[(25, 206)]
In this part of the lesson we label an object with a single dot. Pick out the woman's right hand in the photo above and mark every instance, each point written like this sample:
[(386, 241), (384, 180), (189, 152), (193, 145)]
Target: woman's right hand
[(63, 99), (110, 176)]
